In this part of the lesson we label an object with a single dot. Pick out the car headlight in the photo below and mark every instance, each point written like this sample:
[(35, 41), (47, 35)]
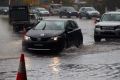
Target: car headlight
[(54, 38), (97, 27), (5, 10), (26, 38)]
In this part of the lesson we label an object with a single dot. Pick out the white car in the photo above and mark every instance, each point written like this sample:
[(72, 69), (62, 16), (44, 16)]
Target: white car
[(108, 26), (88, 12), (42, 11)]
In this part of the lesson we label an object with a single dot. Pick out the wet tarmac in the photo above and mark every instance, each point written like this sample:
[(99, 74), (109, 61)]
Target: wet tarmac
[(92, 61)]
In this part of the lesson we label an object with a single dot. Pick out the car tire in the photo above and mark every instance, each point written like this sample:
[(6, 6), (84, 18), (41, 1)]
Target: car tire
[(107, 39), (60, 16), (97, 39), (80, 16), (15, 28), (68, 16), (77, 16)]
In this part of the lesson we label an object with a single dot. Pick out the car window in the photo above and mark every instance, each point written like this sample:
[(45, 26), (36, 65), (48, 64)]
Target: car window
[(69, 26), (89, 9), (74, 25), (111, 17), (50, 25), (83, 9)]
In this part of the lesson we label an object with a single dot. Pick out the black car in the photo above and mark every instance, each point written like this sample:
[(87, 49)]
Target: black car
[(88, 12), (53, 35), (108, 26), (68, 11)]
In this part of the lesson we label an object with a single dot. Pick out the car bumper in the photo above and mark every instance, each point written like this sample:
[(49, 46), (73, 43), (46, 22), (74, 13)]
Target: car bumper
[(108, 33), (50, 45), (73, 14)]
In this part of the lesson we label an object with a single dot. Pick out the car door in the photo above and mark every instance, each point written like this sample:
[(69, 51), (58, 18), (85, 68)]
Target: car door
[(77, 34), (70, 33)]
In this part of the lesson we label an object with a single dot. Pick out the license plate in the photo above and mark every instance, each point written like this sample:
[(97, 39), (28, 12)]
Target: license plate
[(38, 44)]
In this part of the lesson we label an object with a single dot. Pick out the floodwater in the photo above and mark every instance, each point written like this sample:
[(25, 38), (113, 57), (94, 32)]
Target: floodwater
[(92, 61)]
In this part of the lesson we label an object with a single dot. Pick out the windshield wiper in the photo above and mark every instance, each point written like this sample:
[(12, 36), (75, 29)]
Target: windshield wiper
[(44, 27)]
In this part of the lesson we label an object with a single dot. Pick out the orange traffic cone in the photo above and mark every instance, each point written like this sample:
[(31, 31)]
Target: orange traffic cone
[(21, 75)]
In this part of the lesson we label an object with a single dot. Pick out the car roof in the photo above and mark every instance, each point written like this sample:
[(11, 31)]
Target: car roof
[(112, 12)]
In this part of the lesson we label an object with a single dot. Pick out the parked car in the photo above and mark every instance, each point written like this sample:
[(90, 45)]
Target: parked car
[(68, 11), (42, 11), (4, 10), (53, 35), (88, 12), (108, 26), (54, 8)]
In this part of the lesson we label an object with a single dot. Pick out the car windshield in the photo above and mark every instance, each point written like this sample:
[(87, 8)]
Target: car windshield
[(90, 9), (50, 25), (111, 17), (41, 9), (70, 9)]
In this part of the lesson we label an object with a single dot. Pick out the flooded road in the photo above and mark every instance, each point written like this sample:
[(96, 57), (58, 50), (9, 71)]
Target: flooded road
[(92, 61)]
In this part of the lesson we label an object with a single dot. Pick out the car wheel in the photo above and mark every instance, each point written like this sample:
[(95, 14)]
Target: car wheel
[(61, 48), (80, 16), (16, 28), (68, 16), (97, 39), (77, 16), (60, 16), (107, 39)]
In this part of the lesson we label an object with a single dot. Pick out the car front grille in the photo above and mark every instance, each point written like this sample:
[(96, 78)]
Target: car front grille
[(107, 33), (39, 39), (94, 13), (108, 27)]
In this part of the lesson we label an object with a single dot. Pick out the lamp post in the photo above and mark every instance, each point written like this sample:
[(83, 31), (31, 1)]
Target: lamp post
[(9, 2)]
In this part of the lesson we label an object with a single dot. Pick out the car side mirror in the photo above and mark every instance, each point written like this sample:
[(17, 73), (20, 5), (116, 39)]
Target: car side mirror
[(97, 20)]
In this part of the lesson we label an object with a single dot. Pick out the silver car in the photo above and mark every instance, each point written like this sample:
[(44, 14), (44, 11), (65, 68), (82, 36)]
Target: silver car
[(108, 26)]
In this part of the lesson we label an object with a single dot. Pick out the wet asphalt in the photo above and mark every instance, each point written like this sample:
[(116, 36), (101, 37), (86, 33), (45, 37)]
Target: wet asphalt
[(92, 61)]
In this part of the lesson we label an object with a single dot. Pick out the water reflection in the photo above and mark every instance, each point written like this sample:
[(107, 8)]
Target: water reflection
[(55, 67)]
